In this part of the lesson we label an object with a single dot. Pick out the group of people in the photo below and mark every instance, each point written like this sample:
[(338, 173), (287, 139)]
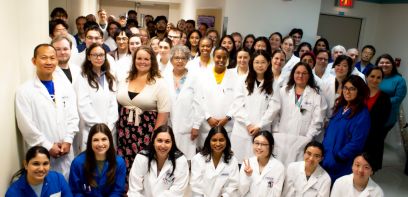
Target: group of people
[(225, 117)]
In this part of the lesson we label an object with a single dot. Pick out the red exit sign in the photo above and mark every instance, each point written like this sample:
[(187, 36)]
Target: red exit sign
[(345, 3)]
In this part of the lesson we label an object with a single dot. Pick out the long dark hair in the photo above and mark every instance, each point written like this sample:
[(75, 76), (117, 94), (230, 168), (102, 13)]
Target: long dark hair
[(232, 53), (174, 152), (266, 41), (394, 70), (358, 103), (188, 44), (338, 60), (268, 137), (207, 152), (90, 160), (325, 42), (31, 153), (268, 75), (154, 67), (91, 75), (310, 82)]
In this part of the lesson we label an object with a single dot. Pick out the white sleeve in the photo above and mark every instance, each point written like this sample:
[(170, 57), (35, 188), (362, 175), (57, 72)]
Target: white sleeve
[(197, 172), (244, 181), (319, 112), (288, 185), (24, 115), (324, 191), (238, 105), (273, 110), (231, 188), (277, 188), (136, 176), (181, 176), (198, 112)]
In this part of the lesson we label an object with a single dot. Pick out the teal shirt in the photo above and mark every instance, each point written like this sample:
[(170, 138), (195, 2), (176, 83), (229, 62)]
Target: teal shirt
[(396, 88)]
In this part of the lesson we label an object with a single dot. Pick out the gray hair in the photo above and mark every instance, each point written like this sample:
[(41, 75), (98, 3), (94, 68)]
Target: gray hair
[(339, 48), (180, 48)]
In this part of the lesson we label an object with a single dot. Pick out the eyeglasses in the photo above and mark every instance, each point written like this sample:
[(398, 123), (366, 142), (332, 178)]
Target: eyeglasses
[(97, 55), (260, 144), (322, 59), (93, 38), (122, 38), (173, 37), (179, 59), (349, 89), (301, 74)]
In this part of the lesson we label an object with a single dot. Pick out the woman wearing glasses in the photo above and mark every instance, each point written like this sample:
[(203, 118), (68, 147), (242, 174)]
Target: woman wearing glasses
[(348, 128), (122, 55), (96, 93), (302, 110), (262, 175)]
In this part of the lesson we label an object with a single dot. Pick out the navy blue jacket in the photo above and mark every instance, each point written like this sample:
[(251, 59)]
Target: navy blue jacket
[(80, 187), (54, 183)]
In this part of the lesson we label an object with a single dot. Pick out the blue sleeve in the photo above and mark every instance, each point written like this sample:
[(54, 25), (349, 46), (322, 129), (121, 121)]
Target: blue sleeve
[(75, 178), (120, 178), (65, 190), (358, 132), (400, 92)]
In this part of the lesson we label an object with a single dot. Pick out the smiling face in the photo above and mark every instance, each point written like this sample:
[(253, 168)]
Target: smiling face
[(135, 43), (162, 144), (45, 60), (374, 79), (260, 65), (321, 46), (164, 49), (386, 66), (218, 143), (361, 169), (194, 39), (242, 59), (238, 41), (122, 41), (179, 61), (301, 76), (220, 59), (260, 45), (227, 43), (308, 60), (322, 59), (278, 60), (97, 57), (37, 168), (261, 147), (349, 92), (205, 47), (249, 42), (303, 50), (63, 51), (143, 61), (288, 46), (275, 42), (312, 156), (100, 144), (341, 69)]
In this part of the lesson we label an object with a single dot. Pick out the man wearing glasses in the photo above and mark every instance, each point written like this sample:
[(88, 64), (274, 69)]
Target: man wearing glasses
[(175, 36)]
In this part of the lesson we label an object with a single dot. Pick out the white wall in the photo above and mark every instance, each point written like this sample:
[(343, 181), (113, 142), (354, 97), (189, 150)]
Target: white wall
[(262, 17), (23, 33), (392, 34), (369, 12)]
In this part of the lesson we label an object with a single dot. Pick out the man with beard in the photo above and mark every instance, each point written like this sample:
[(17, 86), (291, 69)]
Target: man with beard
[(64, 70), (161, 24)]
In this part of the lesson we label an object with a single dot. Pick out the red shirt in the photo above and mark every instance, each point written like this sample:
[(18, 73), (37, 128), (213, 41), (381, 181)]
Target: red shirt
[(371, 100)]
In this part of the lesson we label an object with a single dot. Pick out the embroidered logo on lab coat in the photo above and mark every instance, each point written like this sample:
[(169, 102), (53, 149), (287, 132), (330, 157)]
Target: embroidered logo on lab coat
[(169, 178), (269, 181)]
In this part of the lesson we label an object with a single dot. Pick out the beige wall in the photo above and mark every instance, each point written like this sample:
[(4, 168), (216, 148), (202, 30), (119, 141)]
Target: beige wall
[(28, 28)]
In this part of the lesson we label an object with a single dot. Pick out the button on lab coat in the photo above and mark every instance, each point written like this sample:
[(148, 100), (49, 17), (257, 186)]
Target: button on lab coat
[(45, 122), (144, 183), (208, 181), (296, 184), (95, 106), (269, 182)]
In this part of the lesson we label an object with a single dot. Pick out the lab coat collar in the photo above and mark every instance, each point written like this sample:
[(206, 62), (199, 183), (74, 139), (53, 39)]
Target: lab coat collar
[(43, 90), (265, 171), (220, 167), (24, 186), (371, 186), (313, 177)]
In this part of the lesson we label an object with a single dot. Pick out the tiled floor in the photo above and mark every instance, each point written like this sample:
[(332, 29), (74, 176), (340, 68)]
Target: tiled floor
[(391, 177)]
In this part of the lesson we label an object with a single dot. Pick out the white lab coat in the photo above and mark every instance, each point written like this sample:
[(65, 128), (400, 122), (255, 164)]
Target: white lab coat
[(123, 65), (269, 182), (344, 187), (208, 181), (196, 67), (298, 125), (75, 72), (184, 108), (251, 109), (289, 65), (296, 184), (145, 183), (95, 106), (216, 100), (45, 122)]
